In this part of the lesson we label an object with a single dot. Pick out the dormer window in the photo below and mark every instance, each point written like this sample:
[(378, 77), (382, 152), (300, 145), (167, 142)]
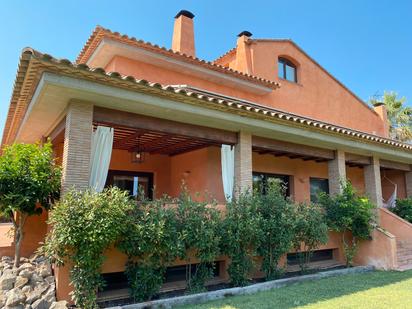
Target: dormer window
[(287, 70)]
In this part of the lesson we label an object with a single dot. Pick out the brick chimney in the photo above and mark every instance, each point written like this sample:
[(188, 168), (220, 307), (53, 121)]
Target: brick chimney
[(380, 109), (243, 54), (183, 35)]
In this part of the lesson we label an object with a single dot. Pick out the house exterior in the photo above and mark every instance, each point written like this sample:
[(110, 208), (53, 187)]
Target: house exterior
[(283, 115)]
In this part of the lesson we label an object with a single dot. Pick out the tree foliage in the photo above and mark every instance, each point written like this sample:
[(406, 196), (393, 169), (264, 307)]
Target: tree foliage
[(311, 231), (403, 209), (154, 233), (349, 212), (278, 223), (198, 226), (150, 243), (85, 224), (241, 236), (29, 183), (399, 115)]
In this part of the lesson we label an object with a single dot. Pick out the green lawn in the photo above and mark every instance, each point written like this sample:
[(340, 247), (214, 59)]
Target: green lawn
[(368, 290)]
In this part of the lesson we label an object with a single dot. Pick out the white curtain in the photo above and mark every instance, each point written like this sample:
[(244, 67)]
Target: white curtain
[(102, 143), (228, 170)]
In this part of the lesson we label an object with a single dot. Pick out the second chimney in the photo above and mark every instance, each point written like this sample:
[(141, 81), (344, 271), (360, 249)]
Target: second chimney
[(183, 35), (380, 109)]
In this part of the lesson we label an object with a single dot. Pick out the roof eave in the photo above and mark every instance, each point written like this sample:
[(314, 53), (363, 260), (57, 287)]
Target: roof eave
[(45, 63)]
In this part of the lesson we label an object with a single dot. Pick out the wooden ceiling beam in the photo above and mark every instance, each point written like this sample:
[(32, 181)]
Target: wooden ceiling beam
[(262, 143), (112, 117), (395, 165), (159, 143), (187, 150), (123, 141), (178, 147), (352, 158)]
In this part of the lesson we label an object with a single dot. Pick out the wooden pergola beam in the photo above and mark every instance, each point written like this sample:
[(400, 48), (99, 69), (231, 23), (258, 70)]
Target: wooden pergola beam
[(357, 160), (295, 150), (395, 165), (120, 118)]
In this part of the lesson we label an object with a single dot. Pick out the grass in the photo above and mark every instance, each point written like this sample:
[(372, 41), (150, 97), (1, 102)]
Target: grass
[(377, 290)]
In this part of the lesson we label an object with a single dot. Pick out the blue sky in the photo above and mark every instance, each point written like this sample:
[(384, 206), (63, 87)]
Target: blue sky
[(367, 45)]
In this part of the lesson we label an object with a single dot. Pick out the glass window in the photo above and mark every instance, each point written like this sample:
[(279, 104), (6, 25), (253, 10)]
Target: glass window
[(287, 70), (318, 185), (134, 182), (261, 181)]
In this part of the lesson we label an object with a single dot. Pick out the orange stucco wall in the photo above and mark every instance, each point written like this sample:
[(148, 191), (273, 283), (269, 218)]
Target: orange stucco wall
[(159, 165), (200, 171), (400, 228), (380, 251), (316, 95), (34, 231)]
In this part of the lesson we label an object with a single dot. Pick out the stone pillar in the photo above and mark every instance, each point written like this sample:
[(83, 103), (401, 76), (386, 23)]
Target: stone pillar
[(336, 172), (373, 186), (243, 163), (77, 146), (408, 184)]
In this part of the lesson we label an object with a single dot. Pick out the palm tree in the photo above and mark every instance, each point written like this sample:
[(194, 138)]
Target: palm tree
[(399, 115)]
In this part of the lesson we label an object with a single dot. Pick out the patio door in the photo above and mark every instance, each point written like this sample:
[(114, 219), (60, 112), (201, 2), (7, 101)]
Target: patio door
[(136, 183)]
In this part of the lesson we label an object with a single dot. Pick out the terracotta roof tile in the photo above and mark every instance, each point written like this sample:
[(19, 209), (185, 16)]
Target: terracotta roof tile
[(99, 33), (39, 63)]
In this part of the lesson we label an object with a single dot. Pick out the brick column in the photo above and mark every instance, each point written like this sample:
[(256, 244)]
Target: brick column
[(336, 172), (408, 184), (77, 146), (373, 186), (243, 162)]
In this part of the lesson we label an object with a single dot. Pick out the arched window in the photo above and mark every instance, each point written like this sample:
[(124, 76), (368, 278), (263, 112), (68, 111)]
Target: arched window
[(287, 70)]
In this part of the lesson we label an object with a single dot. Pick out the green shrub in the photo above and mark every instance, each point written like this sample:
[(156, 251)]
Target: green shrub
[(150, 243), (403, 209), (278, 223), (199, 227), (29, 180), (241, 235), (311, 231), (85, 224), (144, 280), (348, 212)]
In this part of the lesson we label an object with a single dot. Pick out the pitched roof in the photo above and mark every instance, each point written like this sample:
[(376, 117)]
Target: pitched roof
[(100, 33), (33, 64)]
